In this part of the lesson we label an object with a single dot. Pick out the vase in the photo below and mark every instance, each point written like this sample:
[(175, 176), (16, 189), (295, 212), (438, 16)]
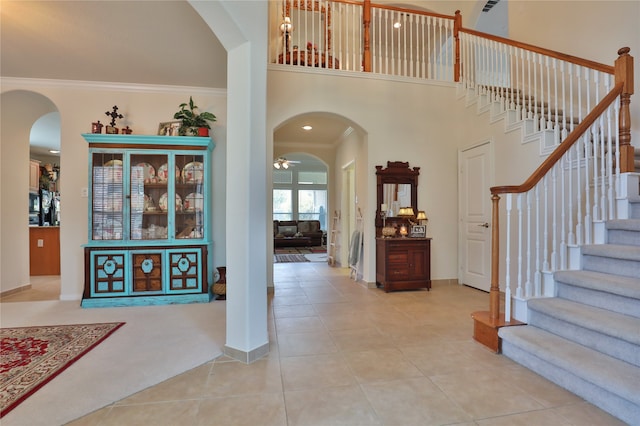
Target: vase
[(219, 288)]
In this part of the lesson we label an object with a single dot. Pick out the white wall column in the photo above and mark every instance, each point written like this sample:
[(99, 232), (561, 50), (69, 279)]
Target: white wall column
[(242, 27)]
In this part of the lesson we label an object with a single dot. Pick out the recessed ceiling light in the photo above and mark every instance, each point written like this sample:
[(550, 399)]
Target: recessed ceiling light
[(307, 127), (54, 151)]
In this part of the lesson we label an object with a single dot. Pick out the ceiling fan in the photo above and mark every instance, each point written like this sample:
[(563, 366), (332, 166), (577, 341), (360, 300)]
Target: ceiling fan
[(283, 163)]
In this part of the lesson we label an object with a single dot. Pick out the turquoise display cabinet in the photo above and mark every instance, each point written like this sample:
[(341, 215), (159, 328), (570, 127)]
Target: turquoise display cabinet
[(149, 220)]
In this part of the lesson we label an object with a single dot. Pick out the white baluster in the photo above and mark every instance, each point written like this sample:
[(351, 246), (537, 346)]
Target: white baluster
[(528, 287), (523, 96), (422, 73), (538, 97), (537, 282), (529, 86), (507, 279), (611, 193), (563, 218), (554, 228), (519, 208), (616, 123), (548, 125), (402, 49), (556, 107), (564, 102), (513, 59), (571, 239), (545, 264), (581, 232), (603, 169), (579, 217), (587, 195)]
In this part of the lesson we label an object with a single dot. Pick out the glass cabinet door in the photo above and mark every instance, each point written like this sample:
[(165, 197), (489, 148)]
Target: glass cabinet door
[(189, 221), (107, 197), (149, 192)]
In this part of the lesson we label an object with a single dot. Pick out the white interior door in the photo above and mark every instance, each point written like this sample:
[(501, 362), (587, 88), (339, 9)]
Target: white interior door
[(348, 215), (475, 170)]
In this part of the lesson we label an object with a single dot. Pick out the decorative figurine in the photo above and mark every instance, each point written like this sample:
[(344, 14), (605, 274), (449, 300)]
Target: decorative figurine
[(96, 127), (111, 128), (127, 131)]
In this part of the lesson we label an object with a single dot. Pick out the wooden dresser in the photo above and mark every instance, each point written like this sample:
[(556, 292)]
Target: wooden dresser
[(403, 263)]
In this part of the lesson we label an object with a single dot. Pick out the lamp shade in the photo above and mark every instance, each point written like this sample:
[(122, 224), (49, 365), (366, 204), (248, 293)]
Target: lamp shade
[(421, 215), (405, 211)]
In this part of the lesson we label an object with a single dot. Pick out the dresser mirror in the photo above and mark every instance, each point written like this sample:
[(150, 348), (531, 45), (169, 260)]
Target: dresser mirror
[(397, 186)]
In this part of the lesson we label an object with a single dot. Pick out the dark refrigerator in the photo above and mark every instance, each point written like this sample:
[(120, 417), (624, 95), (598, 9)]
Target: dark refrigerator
[(47, 214)]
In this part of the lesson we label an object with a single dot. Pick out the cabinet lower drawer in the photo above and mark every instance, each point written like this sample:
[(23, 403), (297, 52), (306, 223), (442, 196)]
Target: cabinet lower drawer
[(400, 272), (399, 257), (144, 276)]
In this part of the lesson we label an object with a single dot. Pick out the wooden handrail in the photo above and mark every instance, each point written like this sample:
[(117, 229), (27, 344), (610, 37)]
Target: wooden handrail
[(412, 11), (557, 154), (609, 69)]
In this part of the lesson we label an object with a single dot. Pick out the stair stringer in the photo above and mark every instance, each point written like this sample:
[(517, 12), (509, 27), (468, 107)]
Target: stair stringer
[(547, 140)]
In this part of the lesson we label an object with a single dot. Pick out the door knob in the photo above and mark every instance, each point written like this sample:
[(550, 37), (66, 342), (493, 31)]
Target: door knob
[(484, 225)]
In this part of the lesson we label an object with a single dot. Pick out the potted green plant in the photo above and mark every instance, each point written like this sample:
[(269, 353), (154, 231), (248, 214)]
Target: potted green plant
[(194, 123)]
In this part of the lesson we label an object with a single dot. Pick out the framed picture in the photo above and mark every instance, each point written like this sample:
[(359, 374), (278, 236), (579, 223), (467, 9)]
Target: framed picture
[(169, 128), (418, 231)]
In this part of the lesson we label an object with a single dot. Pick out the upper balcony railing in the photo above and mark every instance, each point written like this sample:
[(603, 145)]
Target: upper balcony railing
[(549, 90), (359, 36)]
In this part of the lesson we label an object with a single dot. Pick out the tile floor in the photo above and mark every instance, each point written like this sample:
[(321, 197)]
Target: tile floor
[(343, 354)]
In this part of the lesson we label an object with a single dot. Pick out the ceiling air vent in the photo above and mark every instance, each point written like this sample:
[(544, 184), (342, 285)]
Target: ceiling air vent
[(487, 7)]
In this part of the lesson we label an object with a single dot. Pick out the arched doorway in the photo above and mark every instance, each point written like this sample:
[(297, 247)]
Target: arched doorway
[(21, 109), (336, 142)]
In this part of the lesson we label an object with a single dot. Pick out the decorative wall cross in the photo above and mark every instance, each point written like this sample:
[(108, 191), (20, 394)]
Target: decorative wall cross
[(114, 114)]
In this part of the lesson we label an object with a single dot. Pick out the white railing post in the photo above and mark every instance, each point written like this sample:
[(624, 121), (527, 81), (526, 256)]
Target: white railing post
[(507, 285)]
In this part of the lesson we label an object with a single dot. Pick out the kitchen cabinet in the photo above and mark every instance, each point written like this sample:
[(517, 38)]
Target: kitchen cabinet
[(44, 250), (34, 175)]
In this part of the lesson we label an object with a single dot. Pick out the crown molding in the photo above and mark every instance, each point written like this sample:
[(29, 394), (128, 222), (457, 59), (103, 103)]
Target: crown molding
[(7, 83)]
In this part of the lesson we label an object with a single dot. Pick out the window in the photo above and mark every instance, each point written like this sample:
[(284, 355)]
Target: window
[(300, 195), (312, 205), (310, 178), (282, 204)]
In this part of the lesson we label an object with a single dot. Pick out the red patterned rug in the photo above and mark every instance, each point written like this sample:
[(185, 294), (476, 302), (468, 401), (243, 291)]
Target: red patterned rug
[(31, 356)]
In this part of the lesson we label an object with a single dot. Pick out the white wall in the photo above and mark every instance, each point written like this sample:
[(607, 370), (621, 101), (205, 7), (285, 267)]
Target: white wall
[(402, 122), (352, 150), (19, 111), (80, 104)]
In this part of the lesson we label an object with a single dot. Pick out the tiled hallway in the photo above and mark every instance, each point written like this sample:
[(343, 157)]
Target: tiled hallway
[(343, 354)]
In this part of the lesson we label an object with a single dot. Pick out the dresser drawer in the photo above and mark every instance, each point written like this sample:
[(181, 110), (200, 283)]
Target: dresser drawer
[(398, 257), (398, 272)]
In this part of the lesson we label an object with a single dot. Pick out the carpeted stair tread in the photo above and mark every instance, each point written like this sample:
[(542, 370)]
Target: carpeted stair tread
[(624, 224), (614, 251), (606, 283), (615, 376), (623, 327)]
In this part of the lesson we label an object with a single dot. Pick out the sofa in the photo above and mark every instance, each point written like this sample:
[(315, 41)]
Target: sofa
[(285, 233)]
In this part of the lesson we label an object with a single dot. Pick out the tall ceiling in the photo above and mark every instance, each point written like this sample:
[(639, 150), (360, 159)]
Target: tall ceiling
[(113, 41), (157, 42)]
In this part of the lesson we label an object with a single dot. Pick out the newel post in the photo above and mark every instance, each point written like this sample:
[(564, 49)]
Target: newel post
[(624, 74), (457, 24), (366, 19), (494, 291)]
